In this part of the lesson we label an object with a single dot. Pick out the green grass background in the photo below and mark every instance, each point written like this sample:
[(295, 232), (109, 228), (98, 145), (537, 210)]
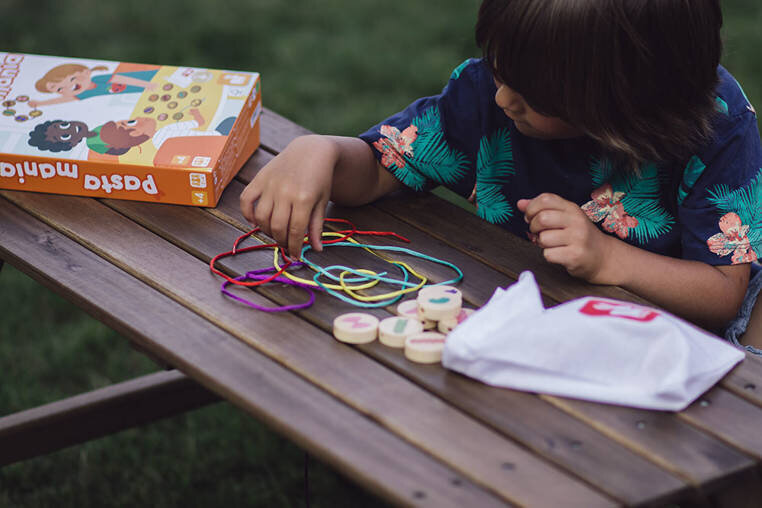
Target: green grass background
[(333, 66)]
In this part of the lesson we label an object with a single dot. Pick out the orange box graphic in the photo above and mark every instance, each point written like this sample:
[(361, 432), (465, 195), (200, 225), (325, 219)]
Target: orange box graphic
[(124, 130)]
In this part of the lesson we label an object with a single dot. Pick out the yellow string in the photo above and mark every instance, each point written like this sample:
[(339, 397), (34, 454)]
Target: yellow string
[(311, 282), (384, 296), (350, 290)]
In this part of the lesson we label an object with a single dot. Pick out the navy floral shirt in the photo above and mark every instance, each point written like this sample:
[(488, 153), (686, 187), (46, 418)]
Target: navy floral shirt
[(707, 209)]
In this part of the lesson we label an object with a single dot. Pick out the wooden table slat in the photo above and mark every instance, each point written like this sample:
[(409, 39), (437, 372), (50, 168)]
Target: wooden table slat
[(696, 456), (727, 416), (337, 434)]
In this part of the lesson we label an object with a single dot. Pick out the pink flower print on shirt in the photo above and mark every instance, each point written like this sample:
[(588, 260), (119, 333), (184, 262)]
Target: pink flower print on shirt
[(395, 145), (606, 206), (733, 239)]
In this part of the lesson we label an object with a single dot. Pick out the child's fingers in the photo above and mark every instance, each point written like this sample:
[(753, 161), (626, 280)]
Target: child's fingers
[(262, 214), (542, 202), (561, 255), (522, 204), (279, 221), (297, 226), (551, 238), (548, 219), (316, 226), (247, 199)]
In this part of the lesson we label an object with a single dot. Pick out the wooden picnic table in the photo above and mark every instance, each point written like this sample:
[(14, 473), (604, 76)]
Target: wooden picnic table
[(414, 434)]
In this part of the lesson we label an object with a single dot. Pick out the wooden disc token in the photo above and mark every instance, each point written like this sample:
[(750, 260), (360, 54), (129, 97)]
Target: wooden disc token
[(408, 308), (355, 327), (439, 302), (425, 347), (393, 331), (428, 324), (446, 325)]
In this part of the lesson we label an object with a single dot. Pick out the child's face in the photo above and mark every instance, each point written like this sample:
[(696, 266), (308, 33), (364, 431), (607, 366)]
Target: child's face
[(71, 85), (140, 126), (67, 132), (528, 121)]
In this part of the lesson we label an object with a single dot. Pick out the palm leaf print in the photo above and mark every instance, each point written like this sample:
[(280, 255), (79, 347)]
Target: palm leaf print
[(743, 201), (456, 72), (600, 170), (492, 205), (692, 172), (433, 156), (721, 106), (494, 166), (412, 179), (640, 199), (395, 147)]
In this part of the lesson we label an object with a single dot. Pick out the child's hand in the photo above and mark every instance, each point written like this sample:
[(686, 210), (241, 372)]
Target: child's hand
[(291, 193), (569, 238), (196, 114)]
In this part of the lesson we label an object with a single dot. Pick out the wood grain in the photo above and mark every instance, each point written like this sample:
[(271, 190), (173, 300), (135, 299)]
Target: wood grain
[(54, 426), (332, 431), (600, 461), (395, 403)]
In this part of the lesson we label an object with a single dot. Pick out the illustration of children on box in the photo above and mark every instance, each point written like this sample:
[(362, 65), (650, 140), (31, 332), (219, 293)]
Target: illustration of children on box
[(59, 135), (74, 82), (116, 138)]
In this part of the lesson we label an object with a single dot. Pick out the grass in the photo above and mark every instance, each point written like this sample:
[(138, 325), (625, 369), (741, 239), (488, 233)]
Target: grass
[(334, 66)]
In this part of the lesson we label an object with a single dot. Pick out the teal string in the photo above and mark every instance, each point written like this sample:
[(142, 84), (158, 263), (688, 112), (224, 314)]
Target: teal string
[(326, 272)]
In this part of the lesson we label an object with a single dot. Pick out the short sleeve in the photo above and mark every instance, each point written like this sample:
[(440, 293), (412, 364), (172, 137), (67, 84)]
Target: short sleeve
[(721, 190), (434, 140)]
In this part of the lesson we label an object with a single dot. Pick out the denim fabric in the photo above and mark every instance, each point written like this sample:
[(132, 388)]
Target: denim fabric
[(737, 327)]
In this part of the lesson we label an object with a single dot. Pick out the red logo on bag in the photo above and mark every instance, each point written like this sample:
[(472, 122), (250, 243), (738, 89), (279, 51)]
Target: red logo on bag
[(619, 310)]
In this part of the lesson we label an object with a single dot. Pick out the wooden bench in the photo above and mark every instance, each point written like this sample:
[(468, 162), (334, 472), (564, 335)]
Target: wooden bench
[(413, 434)]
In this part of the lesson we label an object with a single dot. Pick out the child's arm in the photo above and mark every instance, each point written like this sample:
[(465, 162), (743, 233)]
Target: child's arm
[(707, 295), (128, 80), (291, 192), (196, 114), (55, 100)]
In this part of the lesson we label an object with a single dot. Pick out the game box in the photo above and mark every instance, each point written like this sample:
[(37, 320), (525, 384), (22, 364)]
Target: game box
[(124, 130)]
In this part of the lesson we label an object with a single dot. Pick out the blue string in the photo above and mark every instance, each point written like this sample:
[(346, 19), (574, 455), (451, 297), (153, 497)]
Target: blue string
[(326, 272)]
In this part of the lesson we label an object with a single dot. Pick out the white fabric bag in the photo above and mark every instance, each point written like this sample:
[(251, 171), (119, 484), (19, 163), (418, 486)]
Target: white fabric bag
[(590, 348)]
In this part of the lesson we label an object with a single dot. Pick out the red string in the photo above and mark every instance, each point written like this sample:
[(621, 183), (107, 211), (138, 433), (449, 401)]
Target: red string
[(287, 262)]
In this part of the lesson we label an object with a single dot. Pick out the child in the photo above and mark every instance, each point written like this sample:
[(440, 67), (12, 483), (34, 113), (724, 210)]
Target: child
[(59, 135), (605, 131), (74, 82)]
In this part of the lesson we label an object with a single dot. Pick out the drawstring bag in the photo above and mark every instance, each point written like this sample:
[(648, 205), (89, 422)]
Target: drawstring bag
[(590, 348)]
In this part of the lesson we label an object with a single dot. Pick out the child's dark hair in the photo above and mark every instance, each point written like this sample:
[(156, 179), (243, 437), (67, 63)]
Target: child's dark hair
[(638, 76), (38, 138)]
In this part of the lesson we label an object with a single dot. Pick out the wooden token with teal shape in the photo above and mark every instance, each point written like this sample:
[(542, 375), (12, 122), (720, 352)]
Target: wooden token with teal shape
[(393, 331), (439, 302)]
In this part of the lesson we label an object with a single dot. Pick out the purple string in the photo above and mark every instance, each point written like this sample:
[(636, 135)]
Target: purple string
[(260, 275)]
